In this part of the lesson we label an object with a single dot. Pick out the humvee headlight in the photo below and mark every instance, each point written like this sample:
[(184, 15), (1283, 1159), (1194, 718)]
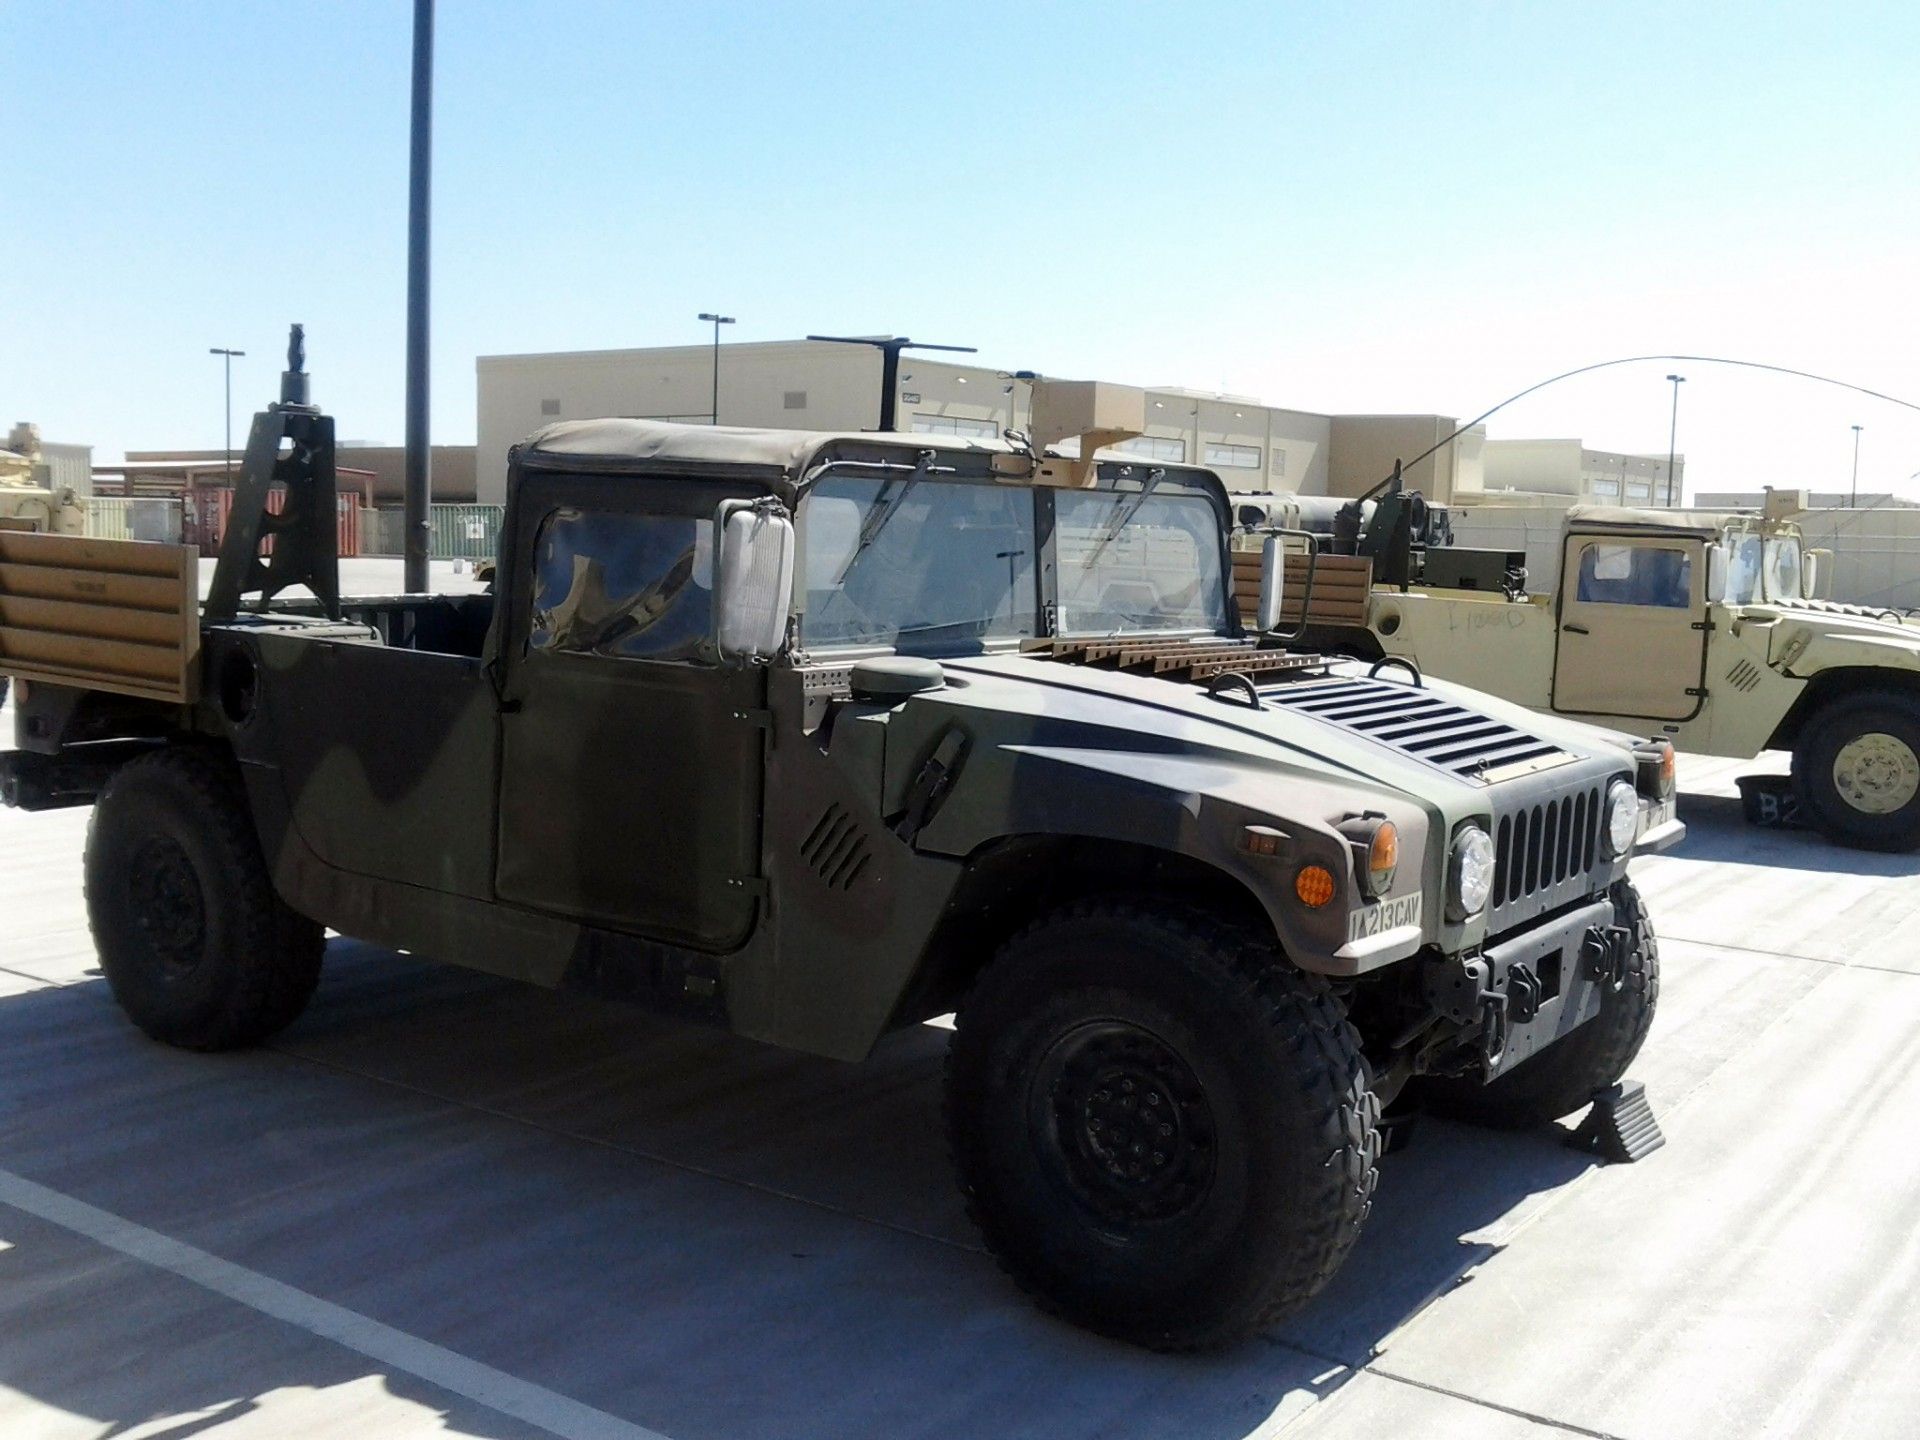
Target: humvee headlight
[(1470, 883), (1623, 818)]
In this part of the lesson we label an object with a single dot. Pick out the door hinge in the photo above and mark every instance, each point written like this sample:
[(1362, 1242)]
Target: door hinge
[(1696, 692), (1703, 625), (753, 886), (761, 718)]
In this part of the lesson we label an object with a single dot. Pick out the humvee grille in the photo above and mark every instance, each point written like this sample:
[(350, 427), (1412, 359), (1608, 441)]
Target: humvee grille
[(836, 848), (1540, 848), (1420, 723)]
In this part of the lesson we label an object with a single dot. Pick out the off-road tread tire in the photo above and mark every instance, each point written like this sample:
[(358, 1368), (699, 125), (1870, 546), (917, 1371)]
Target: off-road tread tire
[(1561, 1079), (270, 966), (1313, 1053), (1821, 738)]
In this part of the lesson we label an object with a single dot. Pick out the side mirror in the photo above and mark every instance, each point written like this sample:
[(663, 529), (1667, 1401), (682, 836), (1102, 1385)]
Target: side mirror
[(1273, 576), (1813, 569), (1716, 574), (752, 579)]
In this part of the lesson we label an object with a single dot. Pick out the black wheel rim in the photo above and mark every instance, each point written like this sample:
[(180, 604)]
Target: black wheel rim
[(168, 906), (1122, 1124)]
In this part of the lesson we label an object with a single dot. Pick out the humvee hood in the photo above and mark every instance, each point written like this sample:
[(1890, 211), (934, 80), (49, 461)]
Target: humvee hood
[(1162, 713)]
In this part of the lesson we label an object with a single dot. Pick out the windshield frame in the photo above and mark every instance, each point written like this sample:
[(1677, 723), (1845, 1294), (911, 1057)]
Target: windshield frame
[(1168, 481)]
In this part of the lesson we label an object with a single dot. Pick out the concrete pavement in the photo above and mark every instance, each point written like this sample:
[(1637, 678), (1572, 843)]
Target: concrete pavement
[(442, 1203)]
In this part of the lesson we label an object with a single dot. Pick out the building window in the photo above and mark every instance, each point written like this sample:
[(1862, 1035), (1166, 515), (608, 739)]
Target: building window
[(1279, 461), (794, 399), (1234, 457), (1608, 488), (955, 425), (549, 407), (1155, 447), (1639, 490)]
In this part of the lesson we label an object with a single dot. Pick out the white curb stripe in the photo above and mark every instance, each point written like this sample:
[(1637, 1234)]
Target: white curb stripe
[(482, 1384)]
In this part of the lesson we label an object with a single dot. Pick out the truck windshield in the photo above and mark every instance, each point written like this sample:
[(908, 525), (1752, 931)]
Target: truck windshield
[(934, 565), (1743, 569), (950, 565), (1158, 570), (1783, 569)]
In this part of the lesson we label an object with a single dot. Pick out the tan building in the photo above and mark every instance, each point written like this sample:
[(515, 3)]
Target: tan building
[(1518, 472), (818, 385)]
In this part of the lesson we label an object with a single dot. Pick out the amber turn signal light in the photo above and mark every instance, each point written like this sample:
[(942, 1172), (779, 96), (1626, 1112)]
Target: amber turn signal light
[(1383, 857), (1314, 885)]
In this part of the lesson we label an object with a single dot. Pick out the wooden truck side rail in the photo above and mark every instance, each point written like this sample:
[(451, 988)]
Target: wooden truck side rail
[(1341, 584), (115, 615)]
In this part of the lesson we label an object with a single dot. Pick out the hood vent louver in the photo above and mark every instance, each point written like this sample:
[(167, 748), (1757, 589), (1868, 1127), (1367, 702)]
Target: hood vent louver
[(1423, 725)]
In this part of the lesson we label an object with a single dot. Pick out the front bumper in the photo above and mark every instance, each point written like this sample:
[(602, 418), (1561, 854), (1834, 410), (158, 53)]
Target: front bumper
[(1532, 989), (1660, 828)]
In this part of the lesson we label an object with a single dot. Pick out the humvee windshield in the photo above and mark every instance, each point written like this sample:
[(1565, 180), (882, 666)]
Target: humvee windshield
[(1762, 569), (933, 565)]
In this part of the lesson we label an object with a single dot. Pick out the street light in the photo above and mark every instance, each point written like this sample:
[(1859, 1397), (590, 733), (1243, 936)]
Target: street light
[(1853, 495), (1673, 431), (718, 321), (228, 364)]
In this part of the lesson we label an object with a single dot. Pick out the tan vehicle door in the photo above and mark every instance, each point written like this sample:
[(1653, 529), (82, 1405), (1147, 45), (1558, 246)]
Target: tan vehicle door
[(1632, 638)]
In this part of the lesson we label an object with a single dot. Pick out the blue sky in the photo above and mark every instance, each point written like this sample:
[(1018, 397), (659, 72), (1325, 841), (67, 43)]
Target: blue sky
[(1337, 207)]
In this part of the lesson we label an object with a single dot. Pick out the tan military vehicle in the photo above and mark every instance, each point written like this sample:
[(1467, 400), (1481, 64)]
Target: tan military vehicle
[(28, 498), (1704, 629)]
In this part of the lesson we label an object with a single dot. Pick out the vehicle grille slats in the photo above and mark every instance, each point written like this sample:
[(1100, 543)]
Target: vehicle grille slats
[(1415, 722), (1544, 853)]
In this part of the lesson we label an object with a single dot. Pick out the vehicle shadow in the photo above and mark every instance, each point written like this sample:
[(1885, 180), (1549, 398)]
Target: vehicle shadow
[(1717, 831), (693, 1233)]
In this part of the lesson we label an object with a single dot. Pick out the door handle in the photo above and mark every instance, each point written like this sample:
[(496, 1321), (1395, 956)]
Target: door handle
[(1576, 629)]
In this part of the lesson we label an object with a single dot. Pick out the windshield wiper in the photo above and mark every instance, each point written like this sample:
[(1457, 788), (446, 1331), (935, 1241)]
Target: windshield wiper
[(1125, 508), (892, 495)]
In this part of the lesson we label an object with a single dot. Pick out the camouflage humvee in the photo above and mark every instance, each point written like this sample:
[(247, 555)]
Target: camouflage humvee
[(813, 737)]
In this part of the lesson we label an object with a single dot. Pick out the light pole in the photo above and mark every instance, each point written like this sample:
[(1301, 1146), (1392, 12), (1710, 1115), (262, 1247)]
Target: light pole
[(227, 362), (1853, 495), (718, 320), (1673, 431), (418, 493)]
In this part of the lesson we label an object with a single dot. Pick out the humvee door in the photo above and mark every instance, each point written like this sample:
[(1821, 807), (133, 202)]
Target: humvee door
[(1632, 638)]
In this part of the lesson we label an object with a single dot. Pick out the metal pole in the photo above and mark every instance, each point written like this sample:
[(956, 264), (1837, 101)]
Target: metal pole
[(1673, 431), (713, 417), (419, 474), (1853, 495), (226, 357)]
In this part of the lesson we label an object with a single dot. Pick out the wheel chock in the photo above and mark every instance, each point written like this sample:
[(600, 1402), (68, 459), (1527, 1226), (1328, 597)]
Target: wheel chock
[(1620, 1127)]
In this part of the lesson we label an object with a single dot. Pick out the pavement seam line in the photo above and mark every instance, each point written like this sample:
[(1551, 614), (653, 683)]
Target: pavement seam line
[(1531, 1417), (631, 1152), (472, 1380), (1791, 955)]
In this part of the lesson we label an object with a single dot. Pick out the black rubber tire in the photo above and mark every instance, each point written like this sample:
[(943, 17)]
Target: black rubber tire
[(1821, 740), (1561, 1079), (1286, 1178), (196, 946)]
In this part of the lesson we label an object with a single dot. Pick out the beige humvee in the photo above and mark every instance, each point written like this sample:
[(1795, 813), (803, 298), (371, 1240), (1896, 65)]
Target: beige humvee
[(28, 499), (1704, 629)]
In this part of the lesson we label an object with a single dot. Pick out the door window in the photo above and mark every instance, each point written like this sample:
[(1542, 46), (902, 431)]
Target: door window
[(624, 585), (1635, 575)]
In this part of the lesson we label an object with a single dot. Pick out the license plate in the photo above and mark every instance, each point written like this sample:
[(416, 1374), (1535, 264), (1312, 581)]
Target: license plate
[(1371, 920)]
